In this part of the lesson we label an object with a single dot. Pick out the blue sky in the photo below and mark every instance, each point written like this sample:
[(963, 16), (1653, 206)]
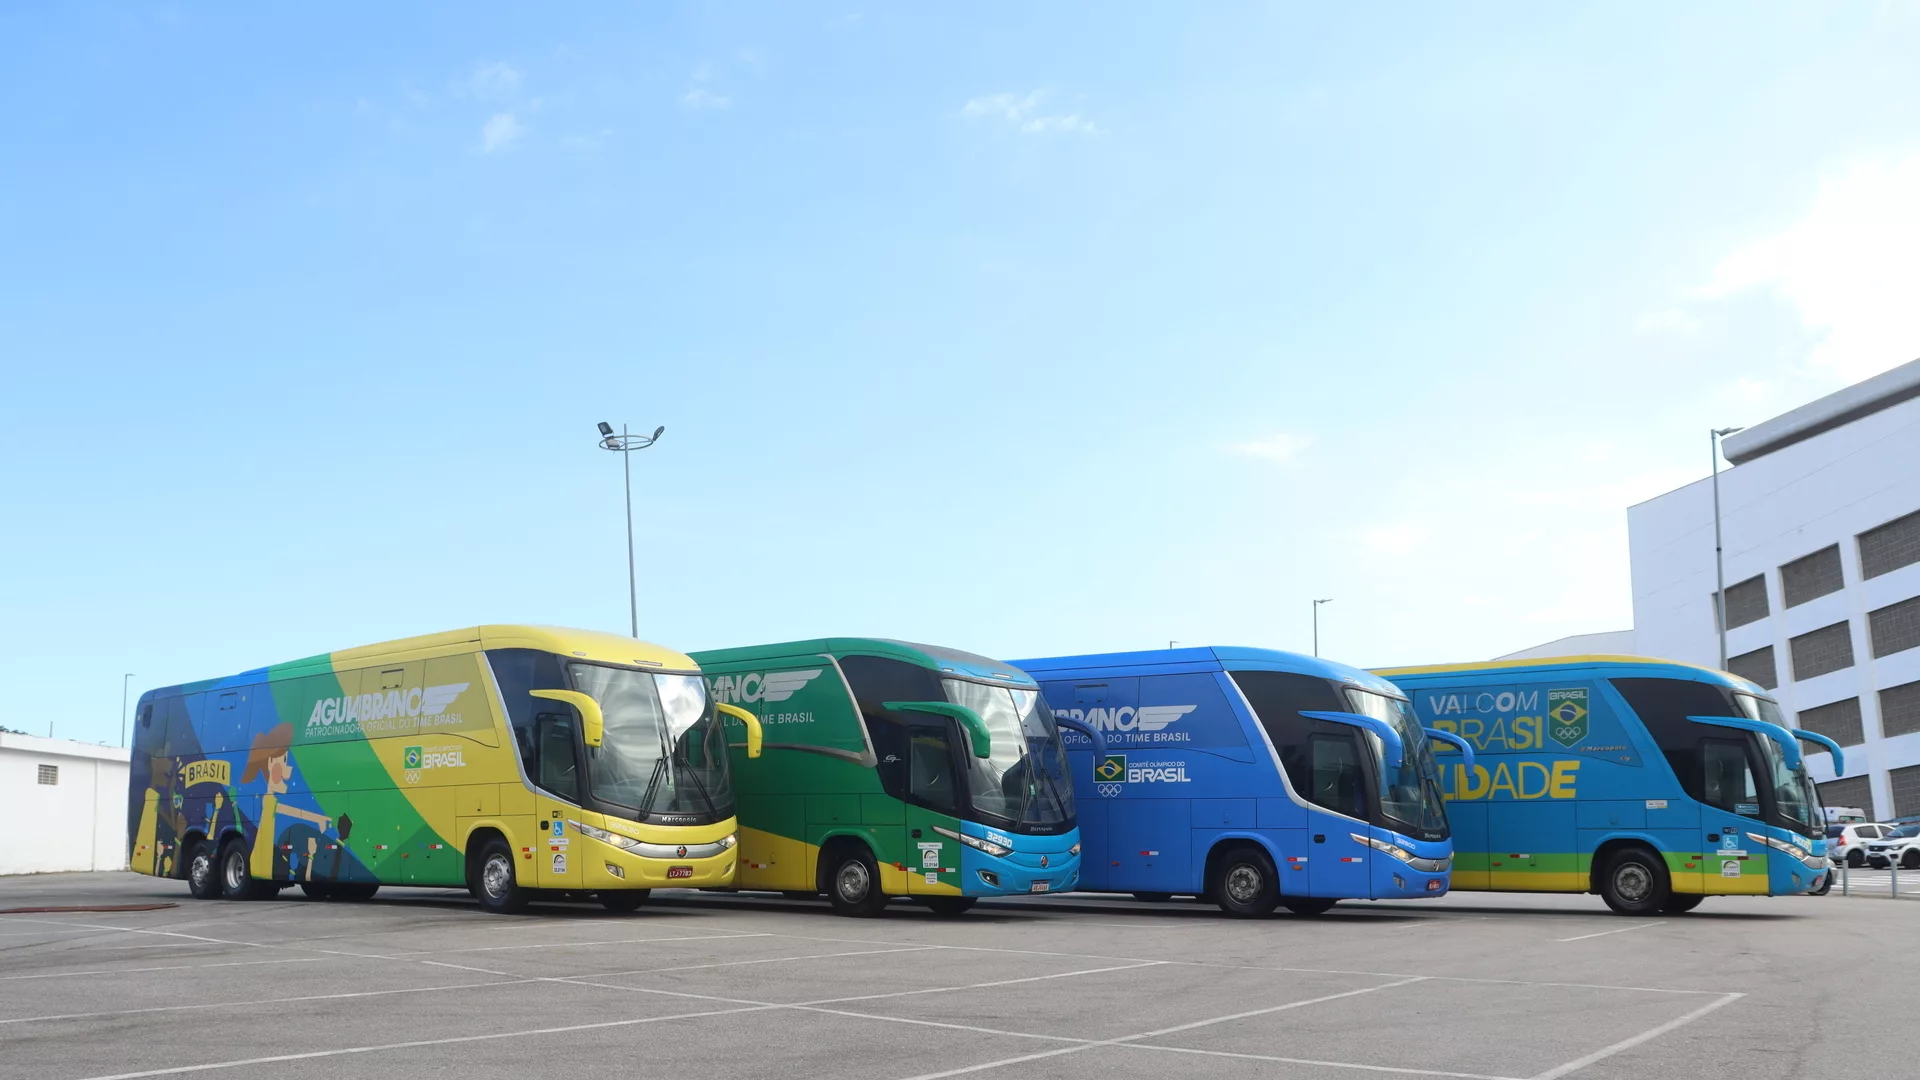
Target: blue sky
[(1026, 329)]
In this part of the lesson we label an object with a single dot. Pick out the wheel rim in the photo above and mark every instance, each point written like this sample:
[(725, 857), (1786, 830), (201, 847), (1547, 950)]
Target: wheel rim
[(200, 870), (1243, 884), (496, 877), (853, 881), (236, 870), (1633, 882)]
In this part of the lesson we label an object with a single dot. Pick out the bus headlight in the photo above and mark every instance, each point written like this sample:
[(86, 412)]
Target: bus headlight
[(1805, 857), (625, 842), (1429, 866), (1074, 850), (728, 841), (974, 842)]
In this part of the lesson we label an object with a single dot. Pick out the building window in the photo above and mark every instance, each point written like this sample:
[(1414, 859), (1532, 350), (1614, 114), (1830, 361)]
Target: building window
[(1900, 710), (49, 774), (1895, 628), (1854, 791), (1746, 602), (1811, 576), (1817, 652), (1891, 546), (1906, 790), (1839, 721), (1756, 666)]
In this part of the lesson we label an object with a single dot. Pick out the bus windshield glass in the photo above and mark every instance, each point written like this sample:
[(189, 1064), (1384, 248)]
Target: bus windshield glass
[(1789, 785), (1024, 783), (663, 751), (1409, 795)]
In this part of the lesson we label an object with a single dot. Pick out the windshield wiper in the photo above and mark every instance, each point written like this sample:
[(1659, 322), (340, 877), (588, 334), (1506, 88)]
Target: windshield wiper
[(646, 799)]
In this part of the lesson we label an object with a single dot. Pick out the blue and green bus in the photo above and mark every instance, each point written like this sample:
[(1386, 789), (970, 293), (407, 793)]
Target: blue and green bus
[(1653, 783), (1250, 777)]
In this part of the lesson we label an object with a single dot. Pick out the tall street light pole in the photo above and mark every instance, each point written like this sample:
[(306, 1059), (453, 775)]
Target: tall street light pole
[(1316, 623), (1714, 436), (626, 444), (125, 681)]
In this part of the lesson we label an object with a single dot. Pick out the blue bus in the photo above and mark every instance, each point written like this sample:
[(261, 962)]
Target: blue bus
[(1653, 783), (1249, 777)]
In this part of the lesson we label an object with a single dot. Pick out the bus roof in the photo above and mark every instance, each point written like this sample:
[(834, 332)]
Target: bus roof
[(1553, 663), (1206, 658), (940, 658), (585, 644)]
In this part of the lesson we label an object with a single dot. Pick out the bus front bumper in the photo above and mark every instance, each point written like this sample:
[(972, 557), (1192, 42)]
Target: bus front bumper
[(609, 867), (1036, 864)]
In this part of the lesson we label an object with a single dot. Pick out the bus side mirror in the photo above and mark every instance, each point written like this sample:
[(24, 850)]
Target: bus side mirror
[(1093, 733), (1389, 738), (593, 723), (976, 728), (1466, 748), (754, 733)]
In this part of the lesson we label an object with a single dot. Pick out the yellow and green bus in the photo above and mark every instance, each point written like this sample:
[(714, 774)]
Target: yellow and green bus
[(513, 761)]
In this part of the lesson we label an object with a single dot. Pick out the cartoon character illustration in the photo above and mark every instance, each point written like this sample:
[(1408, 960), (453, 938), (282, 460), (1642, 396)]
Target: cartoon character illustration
[(270, 757)]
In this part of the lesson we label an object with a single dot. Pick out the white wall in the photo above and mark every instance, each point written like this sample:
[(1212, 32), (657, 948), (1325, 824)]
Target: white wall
[(1606, 643), (1774, 509), (79, 823)]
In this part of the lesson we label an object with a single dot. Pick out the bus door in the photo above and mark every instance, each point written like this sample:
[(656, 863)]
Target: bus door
[(1731, 805), (1336, 861), (556, 773), (933, 781)]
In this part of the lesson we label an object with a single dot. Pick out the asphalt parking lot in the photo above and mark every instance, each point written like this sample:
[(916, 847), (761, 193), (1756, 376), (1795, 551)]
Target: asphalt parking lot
[(419, 983)]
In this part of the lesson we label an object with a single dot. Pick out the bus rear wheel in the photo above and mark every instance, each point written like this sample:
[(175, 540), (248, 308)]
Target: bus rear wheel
[(203, 876), (624, 901), (1681, 903), (853, 882), (1244, 884), (1634, 882), (494, 882), (949, 905), (236, 874)]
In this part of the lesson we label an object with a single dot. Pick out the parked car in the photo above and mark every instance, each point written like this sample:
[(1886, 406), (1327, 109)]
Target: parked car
[(1848, 843), (1900, 846)]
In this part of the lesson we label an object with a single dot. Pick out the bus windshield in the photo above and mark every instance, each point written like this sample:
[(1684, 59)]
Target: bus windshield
[(1025, 782), (1409, 795), (1789, 785), (663, 750)]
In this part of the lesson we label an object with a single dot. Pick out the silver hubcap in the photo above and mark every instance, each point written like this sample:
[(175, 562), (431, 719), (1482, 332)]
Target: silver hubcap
[(200, 870), (236, 871), (497, 877), (853, 882), (1633, 882), (1243, 884)]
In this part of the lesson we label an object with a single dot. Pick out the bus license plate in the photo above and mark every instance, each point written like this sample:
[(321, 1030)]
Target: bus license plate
[(679, 872), (1041, 886)]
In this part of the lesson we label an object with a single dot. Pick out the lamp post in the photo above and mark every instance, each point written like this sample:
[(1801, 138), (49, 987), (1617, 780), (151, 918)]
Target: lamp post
[(1714, 436), (125, 680), (1316, 623), (626, 444)]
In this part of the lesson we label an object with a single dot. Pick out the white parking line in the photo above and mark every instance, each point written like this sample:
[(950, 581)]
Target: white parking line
[(985, 1065), (261, 1001), (1627, 1044), (170, 967), (1312, 1061), (1616, 930)]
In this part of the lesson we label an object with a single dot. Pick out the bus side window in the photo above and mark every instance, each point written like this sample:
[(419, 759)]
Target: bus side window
[(1727, 781), (518, 671), (557, 772), (1334, 764), (930, 766)]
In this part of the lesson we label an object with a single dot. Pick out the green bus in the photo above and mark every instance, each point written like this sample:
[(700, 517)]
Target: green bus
[(890, 769)]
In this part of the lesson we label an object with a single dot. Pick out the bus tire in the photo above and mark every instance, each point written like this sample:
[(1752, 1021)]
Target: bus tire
[(949, 905), (624, 901), (1153, 897), (1243, 882), (495, 881), (203, 872), (1635, 882), (1308, 905), (236, 875), (853, 881), (1681, 903)]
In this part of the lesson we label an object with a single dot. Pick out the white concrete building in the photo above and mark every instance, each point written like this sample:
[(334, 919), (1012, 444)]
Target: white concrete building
[(1820, 514), (63, 805)]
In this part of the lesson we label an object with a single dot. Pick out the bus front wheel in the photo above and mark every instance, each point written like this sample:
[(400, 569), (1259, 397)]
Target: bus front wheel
[(494, 883), (1635, 882), (853, 882), (1244, 883)]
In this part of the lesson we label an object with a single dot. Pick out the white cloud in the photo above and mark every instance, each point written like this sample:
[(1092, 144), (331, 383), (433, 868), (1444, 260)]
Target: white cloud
[(500, 131), (1847, 268), (1025, 115), (698, 99), (1394, 539), (1668, 321), (1281, 446), (495, 80)]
